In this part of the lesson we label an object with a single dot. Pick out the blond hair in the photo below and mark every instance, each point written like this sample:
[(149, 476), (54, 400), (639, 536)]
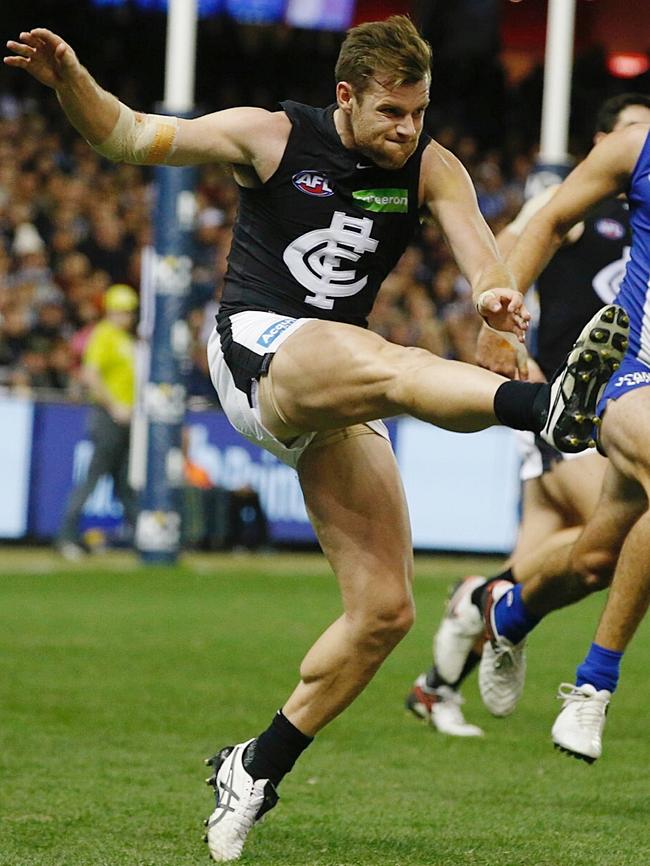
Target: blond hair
[(392, 47)]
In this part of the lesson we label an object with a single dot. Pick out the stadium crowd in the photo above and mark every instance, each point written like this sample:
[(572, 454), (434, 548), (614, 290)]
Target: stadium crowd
[(72, 224)]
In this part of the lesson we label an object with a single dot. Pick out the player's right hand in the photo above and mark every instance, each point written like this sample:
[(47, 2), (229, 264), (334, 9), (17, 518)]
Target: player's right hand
[(44, 55), (504, 310)]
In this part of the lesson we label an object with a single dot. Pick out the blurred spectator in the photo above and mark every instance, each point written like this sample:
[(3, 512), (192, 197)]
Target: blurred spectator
[(453, 299), (107, 249), (51, 322), (109, 372)]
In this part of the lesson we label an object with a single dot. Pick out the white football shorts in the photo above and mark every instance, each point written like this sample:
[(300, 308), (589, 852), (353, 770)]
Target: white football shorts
[(256, 333), (537, 457)]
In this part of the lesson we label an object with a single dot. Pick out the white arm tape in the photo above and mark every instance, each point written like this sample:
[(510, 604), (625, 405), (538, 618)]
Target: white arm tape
[(141, 139)]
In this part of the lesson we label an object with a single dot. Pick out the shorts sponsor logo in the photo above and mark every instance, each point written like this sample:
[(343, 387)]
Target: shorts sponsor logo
[(312, 182), (640, 377), (611, 229), (383, 200), (274, 331)]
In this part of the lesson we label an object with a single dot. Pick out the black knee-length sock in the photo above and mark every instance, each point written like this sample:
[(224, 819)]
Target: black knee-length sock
[(522, 405), (276, 750)]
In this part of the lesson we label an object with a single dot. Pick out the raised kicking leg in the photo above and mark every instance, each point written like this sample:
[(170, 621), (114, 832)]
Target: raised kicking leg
[(355, 375)]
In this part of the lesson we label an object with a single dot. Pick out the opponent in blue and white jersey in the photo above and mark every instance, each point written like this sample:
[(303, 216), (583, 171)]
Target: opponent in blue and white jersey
[(634, 294)]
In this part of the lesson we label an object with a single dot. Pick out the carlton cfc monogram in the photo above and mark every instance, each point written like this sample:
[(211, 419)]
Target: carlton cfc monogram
[(314, 259)]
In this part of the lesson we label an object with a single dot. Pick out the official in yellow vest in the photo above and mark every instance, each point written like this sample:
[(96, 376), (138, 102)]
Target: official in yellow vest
[(109, 373)]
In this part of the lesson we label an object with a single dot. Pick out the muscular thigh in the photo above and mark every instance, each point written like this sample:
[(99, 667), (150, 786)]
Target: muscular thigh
[(330, 374), (626, 435), (355, 500)]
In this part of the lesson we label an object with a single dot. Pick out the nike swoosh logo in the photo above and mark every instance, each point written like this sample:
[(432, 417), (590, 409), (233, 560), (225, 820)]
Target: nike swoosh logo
[(363, 166)]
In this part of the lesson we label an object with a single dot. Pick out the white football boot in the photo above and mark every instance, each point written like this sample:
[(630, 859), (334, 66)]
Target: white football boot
[(457, 633), (502, 670), (241, 801), (447, 716), (441, 707), (578, 729), (578, 384)]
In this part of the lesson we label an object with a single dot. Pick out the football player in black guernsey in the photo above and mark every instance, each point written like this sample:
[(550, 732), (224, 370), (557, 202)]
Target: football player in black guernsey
[(329, 198)]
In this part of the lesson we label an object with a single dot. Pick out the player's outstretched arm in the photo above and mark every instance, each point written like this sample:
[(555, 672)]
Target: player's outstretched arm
[(605, 172), (243, 136), (449, 195)]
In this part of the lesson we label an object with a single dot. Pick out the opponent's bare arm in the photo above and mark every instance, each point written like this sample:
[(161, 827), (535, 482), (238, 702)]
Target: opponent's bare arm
[(242, 136), (605, 172), (493, 350), (508, 237), (447, 191)]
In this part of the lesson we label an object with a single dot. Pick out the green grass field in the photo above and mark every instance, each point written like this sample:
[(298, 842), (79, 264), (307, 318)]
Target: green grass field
[(117, 680)]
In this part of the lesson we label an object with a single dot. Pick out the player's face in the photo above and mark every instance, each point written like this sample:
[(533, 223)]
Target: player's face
[(632, 114), (386, 121)]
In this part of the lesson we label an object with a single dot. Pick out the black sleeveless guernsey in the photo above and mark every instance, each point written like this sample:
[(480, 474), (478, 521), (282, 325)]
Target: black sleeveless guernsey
[(579, 279), (319, 237)]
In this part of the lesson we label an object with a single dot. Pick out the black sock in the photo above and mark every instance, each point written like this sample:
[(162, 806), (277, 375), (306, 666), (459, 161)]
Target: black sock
[(522, 405), (479, 593), (434, 680), (276, 750)]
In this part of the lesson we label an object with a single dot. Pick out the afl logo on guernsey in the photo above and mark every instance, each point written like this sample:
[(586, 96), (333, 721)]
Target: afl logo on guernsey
[(313, 183), (611, 229)]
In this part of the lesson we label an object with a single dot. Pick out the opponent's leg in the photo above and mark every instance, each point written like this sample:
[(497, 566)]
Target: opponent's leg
[(575, 570), (564, 576), (579, 726), (555, 504)]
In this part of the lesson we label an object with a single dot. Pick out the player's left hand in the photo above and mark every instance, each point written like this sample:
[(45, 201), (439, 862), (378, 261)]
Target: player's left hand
[(502, 353), (504, 310)]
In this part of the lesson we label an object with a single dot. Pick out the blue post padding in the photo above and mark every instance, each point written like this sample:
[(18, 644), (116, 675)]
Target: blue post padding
[(158, 530)]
